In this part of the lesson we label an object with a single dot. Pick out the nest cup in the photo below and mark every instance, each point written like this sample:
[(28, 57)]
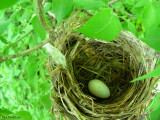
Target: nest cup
[(115, 63)]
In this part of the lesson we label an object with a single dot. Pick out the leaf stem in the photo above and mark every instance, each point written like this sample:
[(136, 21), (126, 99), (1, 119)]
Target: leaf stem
[(112, 2)]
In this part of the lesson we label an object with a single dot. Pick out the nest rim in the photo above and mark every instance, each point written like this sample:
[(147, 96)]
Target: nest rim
[(132, 104)]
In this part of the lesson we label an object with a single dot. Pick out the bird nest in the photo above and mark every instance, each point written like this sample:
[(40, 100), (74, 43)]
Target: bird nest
[(115, 63)]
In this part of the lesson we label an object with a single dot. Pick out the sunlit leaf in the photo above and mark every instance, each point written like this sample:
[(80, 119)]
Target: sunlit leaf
[(27, 14), (154, 115), (89, 4), (151, 16), (47, 7), (129, 2), (1, 76), (104, 25), (38, 28), (127, 25), (32, 70), (154, 103), (7, 3), (141, 3), (5, 50), (45, 86), (2, 13), (3, 26), (62, 8), (46, 101), (154, 73), (153, 39), (137, 11)]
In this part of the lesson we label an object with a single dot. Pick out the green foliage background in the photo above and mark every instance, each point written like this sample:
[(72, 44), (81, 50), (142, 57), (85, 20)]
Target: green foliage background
[(24, 82)]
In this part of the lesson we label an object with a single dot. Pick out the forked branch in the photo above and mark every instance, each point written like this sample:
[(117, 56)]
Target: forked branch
[(41, 18)]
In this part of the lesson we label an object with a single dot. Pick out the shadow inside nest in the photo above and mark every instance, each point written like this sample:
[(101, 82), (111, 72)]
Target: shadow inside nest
[(107, 62), (115, 63)]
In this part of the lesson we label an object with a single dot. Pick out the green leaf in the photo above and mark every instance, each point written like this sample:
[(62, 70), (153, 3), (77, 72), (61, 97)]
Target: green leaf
[(5, 50), (127, 25), (154, 103), (26, 14), (38, 28), (154, 73), (2, 14), (23, 115), (129, 2), (45, 86), (3, 40), (153, 39), (3, 26), (154, 115), (151, 16), (5, 112), (62, 8), (89, 4), (7, 3), (104, 25), (141, 3), (33, 68), (138, 8), (137, 11), (1, 76), (47, 7), (105, 1), (46, 102)]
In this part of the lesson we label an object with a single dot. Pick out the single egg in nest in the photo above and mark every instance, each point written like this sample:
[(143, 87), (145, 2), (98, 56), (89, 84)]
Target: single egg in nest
[(98, 88)]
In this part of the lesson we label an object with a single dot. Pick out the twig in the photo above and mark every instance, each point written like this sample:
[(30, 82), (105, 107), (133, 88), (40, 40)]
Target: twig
[(10, 45), (109, 4), (24, 53), (127, 13), (51, 14), (112, 2), (43, 2)]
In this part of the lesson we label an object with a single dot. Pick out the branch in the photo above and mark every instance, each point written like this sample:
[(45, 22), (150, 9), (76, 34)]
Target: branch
[(42, 19), (24, 53), (128, 14), (112, 2)]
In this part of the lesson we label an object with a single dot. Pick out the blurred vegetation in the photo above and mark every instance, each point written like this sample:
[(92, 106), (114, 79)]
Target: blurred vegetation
[(24, 82)]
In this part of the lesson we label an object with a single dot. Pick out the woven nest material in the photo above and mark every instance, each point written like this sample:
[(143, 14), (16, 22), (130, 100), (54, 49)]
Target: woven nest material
[(115, 63)]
